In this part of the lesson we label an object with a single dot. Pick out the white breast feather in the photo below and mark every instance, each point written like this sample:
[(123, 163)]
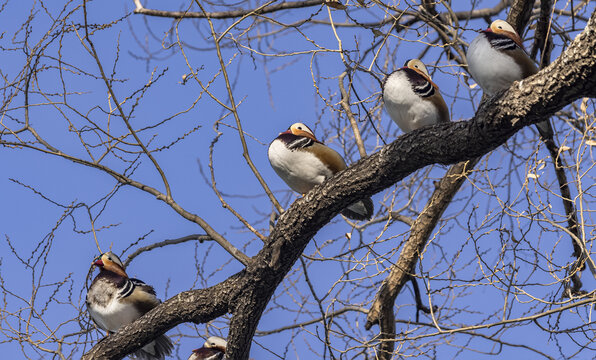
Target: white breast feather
[(300, 169), (490, 68), (408, 110), (114, 315)]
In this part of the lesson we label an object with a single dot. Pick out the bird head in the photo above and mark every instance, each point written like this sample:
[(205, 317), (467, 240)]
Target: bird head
[(214, 348), (215, 342), (299, 129), (420, 68), (417, 66), (502, 27), (110, 262)]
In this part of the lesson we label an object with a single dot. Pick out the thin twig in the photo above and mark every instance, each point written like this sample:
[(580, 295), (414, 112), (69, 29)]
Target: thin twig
[(233, 108), (345, 103), (224, 14), (139, 251)]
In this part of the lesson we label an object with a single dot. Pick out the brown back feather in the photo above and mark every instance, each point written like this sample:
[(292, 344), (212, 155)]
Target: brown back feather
[(328, 156), (143, 298), (526, 64), (439, 102)]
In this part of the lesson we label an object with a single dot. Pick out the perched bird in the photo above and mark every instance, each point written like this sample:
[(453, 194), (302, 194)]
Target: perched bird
[(412, 99), (497, 58), (302, 162), (213, 349), (114, 300)]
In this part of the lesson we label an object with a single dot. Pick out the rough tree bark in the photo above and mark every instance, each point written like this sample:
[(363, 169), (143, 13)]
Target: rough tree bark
[(246, 294)]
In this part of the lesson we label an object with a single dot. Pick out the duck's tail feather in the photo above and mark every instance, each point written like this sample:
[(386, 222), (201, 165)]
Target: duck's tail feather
[(360, 210)]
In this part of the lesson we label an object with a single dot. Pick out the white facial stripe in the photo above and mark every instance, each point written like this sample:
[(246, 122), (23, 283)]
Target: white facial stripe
[(302, 127)]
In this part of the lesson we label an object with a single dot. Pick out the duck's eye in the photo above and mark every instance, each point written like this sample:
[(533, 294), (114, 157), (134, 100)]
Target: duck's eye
[(500, 27), (299, 127), (212, 344), (110, 258)]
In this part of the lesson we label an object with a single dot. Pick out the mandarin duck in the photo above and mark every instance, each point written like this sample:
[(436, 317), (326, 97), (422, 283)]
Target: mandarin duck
[(115, 300), (412, 99), (497, 58), (213, 349), (302, 162)]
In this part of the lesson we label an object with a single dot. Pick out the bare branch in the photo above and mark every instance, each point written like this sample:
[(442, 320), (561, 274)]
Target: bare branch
[(345, 103), (225, 14), (381, 311), (139, 251)]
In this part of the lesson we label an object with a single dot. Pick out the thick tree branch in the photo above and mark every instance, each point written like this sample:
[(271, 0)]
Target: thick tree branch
[(519, 14), (543, 34), (247, 293)]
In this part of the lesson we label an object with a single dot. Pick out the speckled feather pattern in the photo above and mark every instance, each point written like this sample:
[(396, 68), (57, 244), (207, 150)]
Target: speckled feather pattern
[(114, 301)]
